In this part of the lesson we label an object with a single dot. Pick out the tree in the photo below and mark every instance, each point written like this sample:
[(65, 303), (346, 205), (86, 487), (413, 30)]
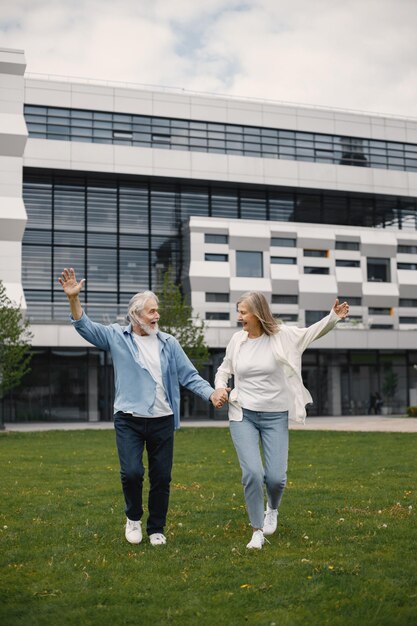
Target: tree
[(177, 319), (15, 339)]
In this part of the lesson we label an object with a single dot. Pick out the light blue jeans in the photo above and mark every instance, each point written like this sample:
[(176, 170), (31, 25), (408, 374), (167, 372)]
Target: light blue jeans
[(269, 432)]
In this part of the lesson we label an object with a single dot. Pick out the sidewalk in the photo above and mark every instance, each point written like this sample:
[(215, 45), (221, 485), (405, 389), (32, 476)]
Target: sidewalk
[(358, 423)]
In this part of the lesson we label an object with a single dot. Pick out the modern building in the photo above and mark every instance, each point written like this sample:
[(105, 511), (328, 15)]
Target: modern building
[(121, 182)]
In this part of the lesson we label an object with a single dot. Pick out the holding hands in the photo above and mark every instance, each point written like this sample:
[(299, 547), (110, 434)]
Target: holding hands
[(220, 397), (342, 310)]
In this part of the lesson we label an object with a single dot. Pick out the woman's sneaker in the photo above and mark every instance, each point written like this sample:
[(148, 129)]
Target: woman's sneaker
[(133, 532), (270, 521), (257, 540)]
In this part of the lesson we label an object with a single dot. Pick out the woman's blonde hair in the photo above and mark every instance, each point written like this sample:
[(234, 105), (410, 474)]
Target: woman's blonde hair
[(258, 306)]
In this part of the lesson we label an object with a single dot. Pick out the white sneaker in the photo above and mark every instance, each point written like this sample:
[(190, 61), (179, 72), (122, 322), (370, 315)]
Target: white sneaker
[(157, 539), (270, 521), (257, 540), (133, 532)]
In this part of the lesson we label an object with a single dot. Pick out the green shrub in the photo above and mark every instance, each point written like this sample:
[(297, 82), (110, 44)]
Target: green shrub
[(412, 411)]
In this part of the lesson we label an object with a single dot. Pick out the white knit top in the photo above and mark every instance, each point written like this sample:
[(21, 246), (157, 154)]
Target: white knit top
[(262, 385)]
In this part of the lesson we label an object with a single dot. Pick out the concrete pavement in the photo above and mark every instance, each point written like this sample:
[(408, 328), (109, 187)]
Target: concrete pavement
[(358, 423)]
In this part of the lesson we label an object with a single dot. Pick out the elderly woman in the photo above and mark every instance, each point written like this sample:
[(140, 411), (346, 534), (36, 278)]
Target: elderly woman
[(265, 359)]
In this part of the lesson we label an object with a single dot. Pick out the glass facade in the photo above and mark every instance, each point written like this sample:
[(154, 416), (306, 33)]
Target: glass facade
[(88, 373), (360, 373), (181, 134), (44, 394), (121, 234)]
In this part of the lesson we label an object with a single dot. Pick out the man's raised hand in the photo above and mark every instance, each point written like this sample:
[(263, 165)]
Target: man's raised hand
[(69, 283)]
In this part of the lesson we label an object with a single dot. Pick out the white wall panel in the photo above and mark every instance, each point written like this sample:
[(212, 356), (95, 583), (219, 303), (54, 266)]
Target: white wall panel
[(171, 105), (13, 137)]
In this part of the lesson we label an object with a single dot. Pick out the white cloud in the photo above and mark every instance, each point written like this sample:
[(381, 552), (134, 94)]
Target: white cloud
[(359, 54)]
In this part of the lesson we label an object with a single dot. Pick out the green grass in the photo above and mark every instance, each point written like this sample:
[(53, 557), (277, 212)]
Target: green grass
[(345, 552)]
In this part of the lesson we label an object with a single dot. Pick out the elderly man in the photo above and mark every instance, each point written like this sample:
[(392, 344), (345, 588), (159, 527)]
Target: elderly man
[(149, 366)]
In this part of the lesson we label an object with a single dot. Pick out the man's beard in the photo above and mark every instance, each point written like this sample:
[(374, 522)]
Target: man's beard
[(147, 328)]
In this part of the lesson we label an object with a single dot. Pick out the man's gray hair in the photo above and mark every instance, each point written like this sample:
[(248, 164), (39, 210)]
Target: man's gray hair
[(137, 304)]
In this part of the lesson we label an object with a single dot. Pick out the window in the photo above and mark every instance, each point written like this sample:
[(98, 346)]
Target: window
[(378, 270), (381, 326), (284, 299), (161, 138), (212, 238), (410, 302), (249, 264), (37, 267), (102, 269), (353, 318), (217, 297), (407, 266), (347, 263), (347, 245), (315, 316), (316, 270), (281, 209), (353, 301), (283, 260), (407, 249), (317, 253), (253, 205), (283, 242), (373, 310), (133, 270), (224, 203), (216, 257), (408, 320), (203, 136), (210, 315), (287, 317), (122, 134)]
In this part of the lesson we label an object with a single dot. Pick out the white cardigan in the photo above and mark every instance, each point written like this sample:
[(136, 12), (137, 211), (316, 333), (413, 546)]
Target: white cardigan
[(288, 345)]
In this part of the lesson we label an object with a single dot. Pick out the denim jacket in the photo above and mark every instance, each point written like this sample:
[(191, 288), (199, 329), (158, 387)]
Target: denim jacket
[(288, 345), (135, 388)]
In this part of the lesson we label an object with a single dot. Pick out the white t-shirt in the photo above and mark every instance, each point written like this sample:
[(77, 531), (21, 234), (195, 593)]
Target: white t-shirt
[(262, 385), (150, 359)]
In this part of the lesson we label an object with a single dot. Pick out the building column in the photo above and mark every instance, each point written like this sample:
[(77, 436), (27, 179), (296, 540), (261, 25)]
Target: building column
[(13, 137), (93, 408), (334, 387)]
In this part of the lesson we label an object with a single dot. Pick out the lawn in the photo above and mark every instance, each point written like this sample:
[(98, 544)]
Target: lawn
[(344, 554)]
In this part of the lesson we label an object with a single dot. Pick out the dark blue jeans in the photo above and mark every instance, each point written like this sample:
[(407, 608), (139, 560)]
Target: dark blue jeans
[(132, 435)]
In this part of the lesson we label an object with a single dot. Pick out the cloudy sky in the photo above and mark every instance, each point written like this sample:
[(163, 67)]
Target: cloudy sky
[(354, 54)]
